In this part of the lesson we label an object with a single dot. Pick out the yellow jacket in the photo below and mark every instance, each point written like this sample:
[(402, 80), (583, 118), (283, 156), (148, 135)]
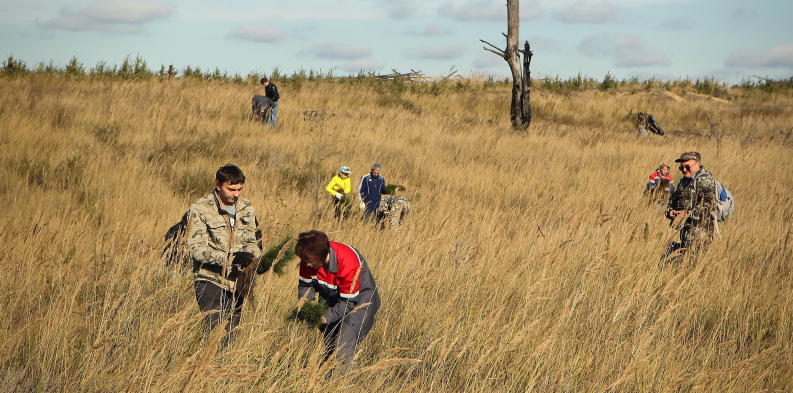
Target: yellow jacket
[(337, 185)]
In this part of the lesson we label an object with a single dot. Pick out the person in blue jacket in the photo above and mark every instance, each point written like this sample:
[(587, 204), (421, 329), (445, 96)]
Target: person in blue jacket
[(371, 187)]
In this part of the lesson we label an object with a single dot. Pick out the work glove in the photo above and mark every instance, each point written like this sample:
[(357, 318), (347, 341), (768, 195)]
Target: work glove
[(242, 259), (362, 205), (339, 196)]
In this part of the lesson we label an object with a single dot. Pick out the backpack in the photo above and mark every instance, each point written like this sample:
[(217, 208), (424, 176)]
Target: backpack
[(725, 204)]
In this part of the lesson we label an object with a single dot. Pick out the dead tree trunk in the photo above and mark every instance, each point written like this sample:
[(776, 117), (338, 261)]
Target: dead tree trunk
[(520, 109), (526, 96)]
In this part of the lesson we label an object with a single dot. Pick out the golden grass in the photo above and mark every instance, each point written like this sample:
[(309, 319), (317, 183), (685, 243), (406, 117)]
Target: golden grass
[(529, 261)]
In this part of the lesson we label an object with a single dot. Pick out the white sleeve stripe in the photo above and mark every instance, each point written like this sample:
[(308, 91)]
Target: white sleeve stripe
[(327, 285), (304, 279), (350, 296)]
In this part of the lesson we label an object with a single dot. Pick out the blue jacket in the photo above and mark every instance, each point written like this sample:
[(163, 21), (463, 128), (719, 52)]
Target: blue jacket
[(370, 190)]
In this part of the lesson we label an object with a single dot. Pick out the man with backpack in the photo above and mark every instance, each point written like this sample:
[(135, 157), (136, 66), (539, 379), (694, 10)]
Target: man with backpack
[(221, 241), (691, 207)]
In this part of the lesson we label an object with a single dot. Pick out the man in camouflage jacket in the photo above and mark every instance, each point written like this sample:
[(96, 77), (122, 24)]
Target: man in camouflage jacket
[(691, 204), (221, 241)]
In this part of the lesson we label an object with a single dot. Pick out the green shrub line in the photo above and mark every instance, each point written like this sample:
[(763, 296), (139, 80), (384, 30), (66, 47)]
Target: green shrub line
[(138, 69)]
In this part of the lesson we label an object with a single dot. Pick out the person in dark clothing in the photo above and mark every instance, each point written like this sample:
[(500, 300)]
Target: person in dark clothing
[(271, 92), (342, 279), (371, 187), (262, 108)]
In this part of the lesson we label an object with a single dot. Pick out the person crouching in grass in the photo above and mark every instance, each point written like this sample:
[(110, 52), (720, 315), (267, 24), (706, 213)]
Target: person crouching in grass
[(342, 279)]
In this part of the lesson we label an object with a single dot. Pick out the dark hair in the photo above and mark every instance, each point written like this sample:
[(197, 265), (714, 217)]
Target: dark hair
[(231, 174), (312, 244), (263, 80)]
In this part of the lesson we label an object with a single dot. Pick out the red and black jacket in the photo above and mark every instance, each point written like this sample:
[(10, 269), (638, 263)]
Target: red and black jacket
[(345, 284)]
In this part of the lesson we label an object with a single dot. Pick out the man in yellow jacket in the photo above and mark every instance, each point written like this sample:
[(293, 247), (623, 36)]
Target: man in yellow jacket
[(338, 188)]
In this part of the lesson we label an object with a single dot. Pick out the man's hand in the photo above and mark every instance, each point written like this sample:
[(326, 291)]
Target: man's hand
[(242, 258), (674, 213), (325, 321)]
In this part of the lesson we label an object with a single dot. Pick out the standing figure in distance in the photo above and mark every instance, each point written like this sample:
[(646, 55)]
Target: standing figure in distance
[(338, 188), (271, 92), (342, 279), (221, 239), (370, 189), (690, 206)]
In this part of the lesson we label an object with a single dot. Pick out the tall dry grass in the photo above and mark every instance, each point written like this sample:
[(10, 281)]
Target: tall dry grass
[(529, 261)]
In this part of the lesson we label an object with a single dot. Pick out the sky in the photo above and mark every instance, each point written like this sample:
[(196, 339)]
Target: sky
[(730, 40)]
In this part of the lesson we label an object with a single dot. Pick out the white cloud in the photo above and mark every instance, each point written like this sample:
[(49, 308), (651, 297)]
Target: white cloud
[(431, 30), (778, 56), (488, 59), (485, 10), (333, 50), (117, 16), (361, 64), (545, 43), (640, 59), (677, 24), (402, 10), (742, 58), (603, 12), (446, 52), (257, 33), (628, 50)]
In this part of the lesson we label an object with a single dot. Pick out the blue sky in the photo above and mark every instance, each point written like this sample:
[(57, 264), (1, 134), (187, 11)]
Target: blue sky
[(728, 39)]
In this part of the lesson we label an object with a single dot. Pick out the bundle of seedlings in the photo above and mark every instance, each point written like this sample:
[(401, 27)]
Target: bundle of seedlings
[(391, 189), (311, 313), (276, 257)]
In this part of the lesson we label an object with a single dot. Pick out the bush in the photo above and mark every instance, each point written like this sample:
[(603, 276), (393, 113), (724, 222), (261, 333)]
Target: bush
[(14, 67)]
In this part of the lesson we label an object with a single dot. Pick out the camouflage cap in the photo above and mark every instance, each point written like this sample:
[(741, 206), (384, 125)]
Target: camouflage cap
[(689, 155), (345, 169)]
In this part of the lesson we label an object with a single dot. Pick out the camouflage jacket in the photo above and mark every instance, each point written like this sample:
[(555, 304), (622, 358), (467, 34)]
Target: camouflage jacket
[(697, 202), (211, 240)]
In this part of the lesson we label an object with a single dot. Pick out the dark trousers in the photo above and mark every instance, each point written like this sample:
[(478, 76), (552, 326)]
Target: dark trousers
[(343, 336), (370, 214), (341, 208), (211, 297), (693, 240)]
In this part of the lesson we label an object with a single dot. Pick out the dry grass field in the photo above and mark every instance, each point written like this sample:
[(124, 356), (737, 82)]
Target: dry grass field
[(530, 260)]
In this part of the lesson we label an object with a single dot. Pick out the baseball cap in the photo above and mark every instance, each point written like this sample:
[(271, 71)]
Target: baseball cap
[(689, 155), (345, 169)]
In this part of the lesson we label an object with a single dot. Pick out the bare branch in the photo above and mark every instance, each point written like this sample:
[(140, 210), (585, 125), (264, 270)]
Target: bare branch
[(501, 54), (492, 46)]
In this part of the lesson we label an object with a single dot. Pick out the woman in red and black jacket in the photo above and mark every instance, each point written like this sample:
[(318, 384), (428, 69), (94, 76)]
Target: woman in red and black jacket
[(341, 277), (658, 177)]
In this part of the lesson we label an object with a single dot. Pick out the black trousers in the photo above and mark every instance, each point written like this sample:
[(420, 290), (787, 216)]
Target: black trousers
[(211, 297)]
